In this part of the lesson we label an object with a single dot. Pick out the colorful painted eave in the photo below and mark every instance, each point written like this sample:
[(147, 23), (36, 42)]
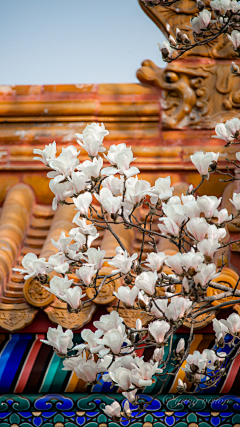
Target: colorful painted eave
[(71, 410)]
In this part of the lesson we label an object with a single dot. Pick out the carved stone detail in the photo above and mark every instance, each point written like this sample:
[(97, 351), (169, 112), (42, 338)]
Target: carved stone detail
[(178, 15), (57, 313), (15, 317), (35, 294), (196, 94)]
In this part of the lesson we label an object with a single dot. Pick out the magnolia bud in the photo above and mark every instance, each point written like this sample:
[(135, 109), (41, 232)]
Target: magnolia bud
[(165, 53), (185, 285), (143, 300), (234, 68), (180, 347), (179, 35), (138, 324), (200, 5), (158, 354), (185, 39), (181, 387), (127, 410)]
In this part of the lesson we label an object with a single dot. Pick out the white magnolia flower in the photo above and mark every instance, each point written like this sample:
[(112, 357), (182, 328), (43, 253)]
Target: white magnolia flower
[(198, 228), (78, 180), (191, 209), (91, 339), (122, 377), (114, 184), (222, 216), (234, 38), (86, 274), (212, 358), (216, 233), (196, 363), (62, 243), (130, 395), (221, 5), (110, 203), (159, 307), (65, 163), (81, 240), (83, 226), (91, 169), (146, 281), (177, 308), (175, 262), (113, 410), (95, 257), (48, 153), (120, 157), (158, 330), (73, 297), (175, 212), (180, 262), (113, 340), (58, 339), (205, 273), (60, 190), (155, 260), (223, 133), (82, 202), (208, 246), (236, 201), (233, 125), (108, 321), (201, 21), (168, 227), (162, 189), (92, 138), (33, 266), (85, 369), (202, 161), (142, 375), (220, 329), (232, 323), (208, 205), (58, 263), (137, 189), (58, 285), (127, 295), (122, 261)]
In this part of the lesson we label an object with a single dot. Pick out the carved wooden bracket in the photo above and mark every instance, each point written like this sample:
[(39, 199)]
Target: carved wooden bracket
[(196, 94)]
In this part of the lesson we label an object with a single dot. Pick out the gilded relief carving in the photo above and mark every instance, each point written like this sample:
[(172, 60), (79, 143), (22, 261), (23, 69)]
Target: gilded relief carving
[(196, 94), (35, 294), (58, 313), (14, 317)]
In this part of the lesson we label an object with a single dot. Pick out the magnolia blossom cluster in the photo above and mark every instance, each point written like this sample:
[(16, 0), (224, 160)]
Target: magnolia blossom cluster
[(211, 20), (171, 289)]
